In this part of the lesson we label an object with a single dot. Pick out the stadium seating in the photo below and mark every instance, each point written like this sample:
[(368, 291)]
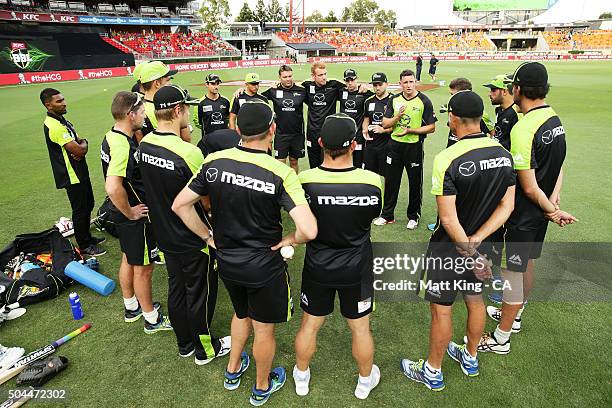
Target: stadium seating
[(580, 40), (371, 41), (168, 45)]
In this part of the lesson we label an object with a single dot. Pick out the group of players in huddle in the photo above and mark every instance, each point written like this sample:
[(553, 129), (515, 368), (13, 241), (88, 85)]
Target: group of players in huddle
[(497, 185)]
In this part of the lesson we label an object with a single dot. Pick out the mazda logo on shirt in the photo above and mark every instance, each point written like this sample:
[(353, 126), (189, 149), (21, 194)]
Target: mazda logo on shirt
[(212, 174), (377, 116), (467, 168), (547, 137), (288, 103), (319, 97), (217, 116), (349, 104)]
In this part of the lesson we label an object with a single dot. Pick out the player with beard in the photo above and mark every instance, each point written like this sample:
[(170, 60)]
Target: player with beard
[(376, 136)]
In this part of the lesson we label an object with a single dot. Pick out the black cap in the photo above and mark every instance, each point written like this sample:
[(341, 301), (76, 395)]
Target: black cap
[(530, 74), (254, 118), (171, 95), (350, 73), (212, 78), (338, 131), (466, 104), (379, 77)]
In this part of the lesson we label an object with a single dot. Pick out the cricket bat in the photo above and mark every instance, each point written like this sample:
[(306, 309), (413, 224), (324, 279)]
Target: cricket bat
[(41, 353)]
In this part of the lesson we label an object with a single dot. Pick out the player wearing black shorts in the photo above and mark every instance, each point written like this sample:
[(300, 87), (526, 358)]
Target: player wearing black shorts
[(247, 189), (345, 200), (125, 189), (352, 103), (419, 67), (537, 144), (433, 66), (251, 89), (375, 151), (321, 98), (167, 163), (288, 101), (212, 113), (473, 182)]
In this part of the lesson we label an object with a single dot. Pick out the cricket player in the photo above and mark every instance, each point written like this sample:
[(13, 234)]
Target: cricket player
[(212, 113), (376, 136), (251, 92)]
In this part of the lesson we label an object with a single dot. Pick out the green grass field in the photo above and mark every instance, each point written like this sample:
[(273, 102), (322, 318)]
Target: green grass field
[(559, 359)]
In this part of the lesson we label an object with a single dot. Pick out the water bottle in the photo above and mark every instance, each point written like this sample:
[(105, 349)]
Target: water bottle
[(75, 305)]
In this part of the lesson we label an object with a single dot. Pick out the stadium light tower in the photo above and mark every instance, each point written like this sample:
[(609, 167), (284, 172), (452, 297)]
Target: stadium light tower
[(295, 16)]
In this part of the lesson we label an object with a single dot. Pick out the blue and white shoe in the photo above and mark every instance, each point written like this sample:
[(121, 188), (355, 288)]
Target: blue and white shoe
[(415, 370), (496, 297), (232, 380), (277, 380), (468, 364)]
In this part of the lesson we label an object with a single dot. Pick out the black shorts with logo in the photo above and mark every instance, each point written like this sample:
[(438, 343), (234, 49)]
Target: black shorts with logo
[(289, 145), (375, 157), (521, 246), (270, 303), (318, 300), (440, 283), (138, 243)]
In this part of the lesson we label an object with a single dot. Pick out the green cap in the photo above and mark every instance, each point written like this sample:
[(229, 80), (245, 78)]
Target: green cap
[(499, 82), (154, 70), (252, 78), (137, 71)]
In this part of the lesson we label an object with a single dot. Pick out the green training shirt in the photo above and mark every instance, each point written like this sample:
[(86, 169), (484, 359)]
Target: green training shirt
[(418, 112)]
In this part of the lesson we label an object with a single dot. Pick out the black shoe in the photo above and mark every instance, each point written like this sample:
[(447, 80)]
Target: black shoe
[(93, 250), (97, 240), (133, 315)]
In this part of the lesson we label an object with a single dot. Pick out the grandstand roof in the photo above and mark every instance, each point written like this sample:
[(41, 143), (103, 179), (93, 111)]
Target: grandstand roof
[(436, 13), (310, 46), (568, 11)]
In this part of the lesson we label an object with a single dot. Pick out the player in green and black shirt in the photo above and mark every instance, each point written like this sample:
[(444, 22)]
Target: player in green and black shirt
[(247, 189), (212, 113), (167, 163), (473, 182), (153, 75), (251, 89), (288, 101), (412, 117), (67, 155), (321, 98), (126, 191), (538, 148), (375, 151), (506, 111), (345, 200), (352, 103)]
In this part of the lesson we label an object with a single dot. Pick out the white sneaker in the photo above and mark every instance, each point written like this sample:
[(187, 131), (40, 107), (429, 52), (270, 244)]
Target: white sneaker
[(381, 221), (301, 383), (226, 346), (412, 224), (9, 355), (363, 390), (495, 313), (488, 344)]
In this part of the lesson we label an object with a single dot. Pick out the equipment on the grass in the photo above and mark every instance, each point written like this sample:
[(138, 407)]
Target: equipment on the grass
[(11, 312), (90, 278), (66, 227), (9, 355), (16, 402), (75, 306), (42, 352), (39, 372)]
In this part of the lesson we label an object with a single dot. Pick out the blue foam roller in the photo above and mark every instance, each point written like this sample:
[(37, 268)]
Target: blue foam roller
[(90, 278)]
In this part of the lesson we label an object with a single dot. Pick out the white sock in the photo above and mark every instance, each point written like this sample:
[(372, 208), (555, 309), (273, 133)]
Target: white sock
[(131, 303), (365, 380), (302, 375), (430, 371), (501, 336), (151, 317), (520, 312), (468, 355)]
